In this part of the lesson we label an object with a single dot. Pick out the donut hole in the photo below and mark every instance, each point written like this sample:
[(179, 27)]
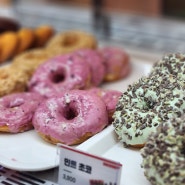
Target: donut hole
[(149, 103), (58, 77), (70, 41), (70, 112), (16, 103)]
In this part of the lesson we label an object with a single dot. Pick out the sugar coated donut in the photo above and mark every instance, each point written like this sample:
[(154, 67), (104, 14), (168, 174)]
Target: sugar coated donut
[(173, 63), (70, 41), (95, 61), (117, 63), (163, 153), (16, 111), (145, 105), (60, 73), (110, 98), (70, 118)]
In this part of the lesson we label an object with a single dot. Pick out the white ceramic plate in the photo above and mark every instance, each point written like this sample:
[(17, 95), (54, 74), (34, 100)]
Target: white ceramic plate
[(28, 152)]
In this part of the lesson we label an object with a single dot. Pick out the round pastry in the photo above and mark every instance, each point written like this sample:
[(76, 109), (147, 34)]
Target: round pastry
[(117, 63), (12, 80), (8, 44), (16, 111), (8, 24), (163, 153), (70, 41), (170, 64), (145, 105), (26, 39), (43, 34), (28, 61), (70, 118), (95, 61), (110, 98), (60, 73)]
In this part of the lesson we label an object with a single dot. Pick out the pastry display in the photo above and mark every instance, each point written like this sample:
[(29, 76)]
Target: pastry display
[(71, 117), (163, 153)]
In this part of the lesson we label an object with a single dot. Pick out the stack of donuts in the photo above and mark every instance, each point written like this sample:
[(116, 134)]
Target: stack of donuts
[(59, 93)]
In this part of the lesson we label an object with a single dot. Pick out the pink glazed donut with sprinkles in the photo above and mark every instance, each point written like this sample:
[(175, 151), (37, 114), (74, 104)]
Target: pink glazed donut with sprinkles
[(95, 60), (60, 73), (117, 63), (17, 110), (71, 117)]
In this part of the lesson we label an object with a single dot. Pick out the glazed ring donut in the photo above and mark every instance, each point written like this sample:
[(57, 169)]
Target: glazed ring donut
[(70, 41), (60, 73), (43, 34), (16, 111), (117, 63), (29, 61), (94, 59), (26, 39), (12, 80), (163, 154), (70, 118), (110, 98), (170, 64), (8, 44), (145, 105)]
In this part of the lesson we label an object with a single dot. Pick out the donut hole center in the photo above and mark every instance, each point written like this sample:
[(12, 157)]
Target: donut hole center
[(58, 77), (15, 104), (70, 112), (149, 103), (70, 41)]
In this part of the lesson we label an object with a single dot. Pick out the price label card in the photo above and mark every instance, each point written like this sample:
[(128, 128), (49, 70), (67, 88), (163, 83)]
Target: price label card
[(78, 167)]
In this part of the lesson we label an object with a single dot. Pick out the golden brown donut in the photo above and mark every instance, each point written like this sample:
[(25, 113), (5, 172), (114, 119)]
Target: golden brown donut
[(26, 38), (70, 41), (8, 44), (43, 34), (12, 80)]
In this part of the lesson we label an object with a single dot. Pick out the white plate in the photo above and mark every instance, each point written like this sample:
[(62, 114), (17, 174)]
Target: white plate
[(28, 152)]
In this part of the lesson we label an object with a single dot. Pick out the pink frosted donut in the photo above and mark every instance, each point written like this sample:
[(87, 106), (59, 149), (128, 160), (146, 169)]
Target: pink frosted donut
[(95, 61), (70, 118), (110, 97), (117, 63), (60, 73), (16, 111)]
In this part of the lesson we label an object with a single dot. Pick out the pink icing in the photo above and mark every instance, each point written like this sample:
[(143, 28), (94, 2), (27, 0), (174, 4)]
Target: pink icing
[(95, 61), (69, 116), (117, 62), (60, 73), (16, 110)]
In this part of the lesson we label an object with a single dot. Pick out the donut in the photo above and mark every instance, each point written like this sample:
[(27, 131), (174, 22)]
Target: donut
[(60, 73), (17, 110), (43, 33), (95, 61), (8, 43), (70, 118), (69, 41), (145, 105), (163, 154), (26, 39), (8, 24), (28, 61), (117, 63), (173, 63), (12, 80), (109, 97)]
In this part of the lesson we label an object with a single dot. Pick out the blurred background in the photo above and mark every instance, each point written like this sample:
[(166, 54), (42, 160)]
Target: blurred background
[(147, 27)]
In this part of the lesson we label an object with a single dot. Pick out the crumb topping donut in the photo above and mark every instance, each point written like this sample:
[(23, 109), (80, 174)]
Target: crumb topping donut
[(163, 154), (117, 63), (110, 98), (171, 64), (70, 41), (70, 118), (94, 59), (60, 73), (16, 111), (12, 80), (145, 105)]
